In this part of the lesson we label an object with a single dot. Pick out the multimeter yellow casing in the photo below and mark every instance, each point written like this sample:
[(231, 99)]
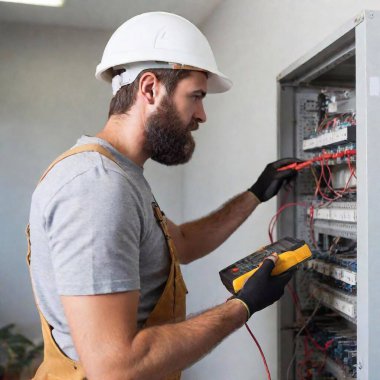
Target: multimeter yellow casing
[(291, 253)]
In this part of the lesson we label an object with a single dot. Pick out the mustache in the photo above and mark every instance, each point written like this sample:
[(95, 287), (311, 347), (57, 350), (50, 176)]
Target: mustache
[(193, 125)]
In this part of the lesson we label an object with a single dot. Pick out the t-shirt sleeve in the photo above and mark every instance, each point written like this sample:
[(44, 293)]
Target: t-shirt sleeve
[(93, 224)]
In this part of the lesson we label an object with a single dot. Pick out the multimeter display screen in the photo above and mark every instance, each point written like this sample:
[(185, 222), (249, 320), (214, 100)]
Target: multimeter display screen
[(283, 245)]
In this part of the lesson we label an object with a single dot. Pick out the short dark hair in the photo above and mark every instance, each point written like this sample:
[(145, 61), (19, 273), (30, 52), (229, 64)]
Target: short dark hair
[(126, 96)]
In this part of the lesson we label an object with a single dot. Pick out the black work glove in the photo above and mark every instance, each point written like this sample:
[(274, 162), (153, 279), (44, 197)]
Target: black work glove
[(271, 180), (262, 289)]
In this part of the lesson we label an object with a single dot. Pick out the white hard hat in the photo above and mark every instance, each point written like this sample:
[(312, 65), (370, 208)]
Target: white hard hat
[(159, 40)]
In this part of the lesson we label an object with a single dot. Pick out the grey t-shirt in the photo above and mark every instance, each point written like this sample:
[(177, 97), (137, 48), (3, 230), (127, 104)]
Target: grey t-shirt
[(93, 231)]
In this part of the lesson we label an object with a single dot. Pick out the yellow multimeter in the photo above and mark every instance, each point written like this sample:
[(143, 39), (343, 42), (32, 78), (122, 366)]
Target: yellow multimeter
[(291, 253)]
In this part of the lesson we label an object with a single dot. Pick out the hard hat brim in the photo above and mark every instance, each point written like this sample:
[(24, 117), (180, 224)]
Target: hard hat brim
[(218, 83)]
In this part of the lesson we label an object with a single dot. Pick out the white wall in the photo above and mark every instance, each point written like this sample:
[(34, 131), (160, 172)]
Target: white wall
[(48, 98), (253, 42)]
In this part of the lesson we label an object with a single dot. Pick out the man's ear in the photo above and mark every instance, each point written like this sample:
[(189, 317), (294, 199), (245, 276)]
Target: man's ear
[(149, 87)]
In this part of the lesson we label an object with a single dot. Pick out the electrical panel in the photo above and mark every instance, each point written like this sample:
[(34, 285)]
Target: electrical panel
[(329, 104)]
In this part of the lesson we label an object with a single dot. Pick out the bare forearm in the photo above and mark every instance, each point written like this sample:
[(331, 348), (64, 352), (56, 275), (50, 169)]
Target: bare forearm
[(159, 351), (204, 235)]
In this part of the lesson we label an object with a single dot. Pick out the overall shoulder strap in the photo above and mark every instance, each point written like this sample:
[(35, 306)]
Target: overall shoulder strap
[(80, 149)]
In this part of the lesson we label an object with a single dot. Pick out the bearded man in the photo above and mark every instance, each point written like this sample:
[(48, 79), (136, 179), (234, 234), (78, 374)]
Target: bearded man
[(104, 259)]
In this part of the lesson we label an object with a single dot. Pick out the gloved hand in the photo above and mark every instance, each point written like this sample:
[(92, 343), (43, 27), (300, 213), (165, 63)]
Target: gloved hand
[(262, 289), (271, 180)]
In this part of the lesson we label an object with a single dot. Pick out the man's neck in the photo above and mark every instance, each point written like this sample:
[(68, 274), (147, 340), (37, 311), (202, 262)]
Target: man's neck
[(126, 134)]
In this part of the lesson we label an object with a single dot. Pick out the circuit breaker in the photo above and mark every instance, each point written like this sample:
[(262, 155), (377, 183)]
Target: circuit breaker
[(329, 104)]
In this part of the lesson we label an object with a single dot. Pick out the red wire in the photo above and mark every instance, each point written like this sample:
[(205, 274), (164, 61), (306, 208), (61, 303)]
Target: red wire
[(321, 157), (294, 294), (275, 217), (319, 189), (318, 185), (272, 223), (259, 347), (261, 351), (352, 170), (339, 195), (316, 344), (270, 230)]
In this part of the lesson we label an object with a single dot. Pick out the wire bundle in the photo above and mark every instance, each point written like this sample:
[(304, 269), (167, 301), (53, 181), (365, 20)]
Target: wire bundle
[(325, 191)]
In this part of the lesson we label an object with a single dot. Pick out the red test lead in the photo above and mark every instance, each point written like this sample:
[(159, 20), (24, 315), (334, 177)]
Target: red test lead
[(325, 156)]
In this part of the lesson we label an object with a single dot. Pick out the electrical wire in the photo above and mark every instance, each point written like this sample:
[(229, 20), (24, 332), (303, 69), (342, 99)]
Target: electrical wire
[(295, 299), (276, 216), (318, 187), (350, 165), (323, 160), (299, 333), (271, 227), (329, 181), (318, 190), (329, 200), (261, 351)]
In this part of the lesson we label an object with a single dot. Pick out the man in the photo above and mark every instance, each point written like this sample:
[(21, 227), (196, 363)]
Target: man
[(104, 259)]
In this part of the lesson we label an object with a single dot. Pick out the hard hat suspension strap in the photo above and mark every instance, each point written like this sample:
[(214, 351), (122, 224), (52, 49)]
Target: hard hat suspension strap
[(133, 70)]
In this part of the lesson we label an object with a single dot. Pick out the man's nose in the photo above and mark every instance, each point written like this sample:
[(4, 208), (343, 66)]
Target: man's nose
[(200, 114)]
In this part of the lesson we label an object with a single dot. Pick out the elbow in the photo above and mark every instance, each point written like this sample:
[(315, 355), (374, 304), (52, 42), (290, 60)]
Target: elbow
[(114, 367)]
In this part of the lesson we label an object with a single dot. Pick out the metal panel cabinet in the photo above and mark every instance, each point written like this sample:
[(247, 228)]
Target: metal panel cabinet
[(349, 60)]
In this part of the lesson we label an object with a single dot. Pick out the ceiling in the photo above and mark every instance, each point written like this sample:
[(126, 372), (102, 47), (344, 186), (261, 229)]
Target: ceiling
[(104, 14)]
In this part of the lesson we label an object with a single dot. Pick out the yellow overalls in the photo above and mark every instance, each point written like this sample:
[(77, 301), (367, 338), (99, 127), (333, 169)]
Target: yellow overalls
[(171, 306)]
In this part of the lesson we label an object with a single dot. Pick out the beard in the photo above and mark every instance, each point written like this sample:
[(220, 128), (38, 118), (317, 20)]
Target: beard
[(168, 138)]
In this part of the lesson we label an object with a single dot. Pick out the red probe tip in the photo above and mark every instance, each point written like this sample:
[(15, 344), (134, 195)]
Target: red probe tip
[(287, 167)]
